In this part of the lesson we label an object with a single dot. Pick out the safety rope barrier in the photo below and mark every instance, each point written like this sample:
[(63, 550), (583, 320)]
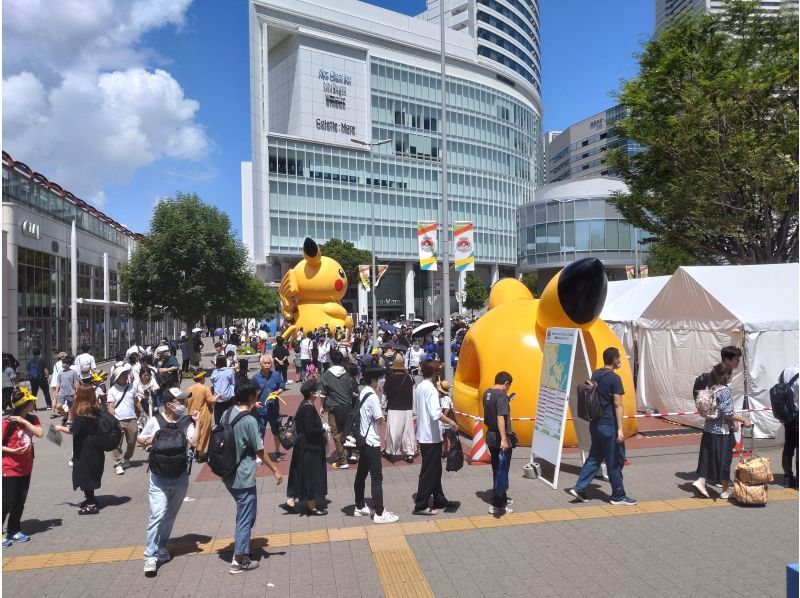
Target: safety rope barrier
[(636, 416)]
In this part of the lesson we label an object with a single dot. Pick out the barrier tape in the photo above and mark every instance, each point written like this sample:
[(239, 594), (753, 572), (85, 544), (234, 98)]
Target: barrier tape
[(638, 415)]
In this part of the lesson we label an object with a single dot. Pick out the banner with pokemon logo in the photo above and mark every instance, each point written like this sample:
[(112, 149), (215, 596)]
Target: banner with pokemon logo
[(427, 244), (381, 271), (363, 275), (464, 246)]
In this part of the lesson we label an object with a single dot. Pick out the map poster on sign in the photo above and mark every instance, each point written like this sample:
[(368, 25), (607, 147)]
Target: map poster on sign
[(558, 365)]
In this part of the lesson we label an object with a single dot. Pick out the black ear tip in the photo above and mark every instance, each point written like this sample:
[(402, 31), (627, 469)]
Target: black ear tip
[(310, 247), (582, 289)]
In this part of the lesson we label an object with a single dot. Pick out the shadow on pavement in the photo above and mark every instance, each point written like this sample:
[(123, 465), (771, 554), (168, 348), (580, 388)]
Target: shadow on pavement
[(258, 550), (37, 526), (187, 544), (108, 500)]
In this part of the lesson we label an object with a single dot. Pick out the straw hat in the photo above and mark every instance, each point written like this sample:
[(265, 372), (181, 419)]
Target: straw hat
[(443, 386), (398, 363)]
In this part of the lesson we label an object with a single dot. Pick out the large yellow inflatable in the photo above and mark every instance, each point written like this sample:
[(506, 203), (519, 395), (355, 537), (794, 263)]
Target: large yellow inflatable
[(311, 293), (510, 337)]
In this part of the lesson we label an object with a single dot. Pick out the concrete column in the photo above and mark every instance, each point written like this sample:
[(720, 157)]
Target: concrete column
[(10, 289), (73, 255), (363, 302), (409, 272), (495, 273), (106, 307)]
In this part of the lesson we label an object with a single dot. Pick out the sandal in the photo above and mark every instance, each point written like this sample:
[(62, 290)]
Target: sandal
[(89, 510), (317, 512)]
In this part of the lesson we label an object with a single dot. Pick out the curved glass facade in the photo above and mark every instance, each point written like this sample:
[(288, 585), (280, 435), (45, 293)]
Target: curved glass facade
[(493, 146), (557, 232)]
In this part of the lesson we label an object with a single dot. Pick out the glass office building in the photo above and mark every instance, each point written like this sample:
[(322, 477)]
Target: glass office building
[(37, 221), (571, 220), (337, 77)]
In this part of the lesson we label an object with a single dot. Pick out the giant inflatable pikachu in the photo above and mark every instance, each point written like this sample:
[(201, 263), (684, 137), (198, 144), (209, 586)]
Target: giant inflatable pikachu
[(510, 337), (312, 291)]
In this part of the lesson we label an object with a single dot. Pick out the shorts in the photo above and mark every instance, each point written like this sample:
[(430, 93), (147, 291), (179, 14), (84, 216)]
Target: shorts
[(269, 414)]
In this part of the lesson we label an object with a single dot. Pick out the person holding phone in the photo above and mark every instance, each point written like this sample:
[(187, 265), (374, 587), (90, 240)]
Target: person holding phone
[(497, 416)]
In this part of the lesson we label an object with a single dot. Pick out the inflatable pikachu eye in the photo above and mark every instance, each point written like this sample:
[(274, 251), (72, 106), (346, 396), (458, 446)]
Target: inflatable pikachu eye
[(311, 293), (510, 337)]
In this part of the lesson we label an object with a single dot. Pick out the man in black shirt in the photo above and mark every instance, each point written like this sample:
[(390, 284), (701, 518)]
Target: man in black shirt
[(608, 439), (497, 416)]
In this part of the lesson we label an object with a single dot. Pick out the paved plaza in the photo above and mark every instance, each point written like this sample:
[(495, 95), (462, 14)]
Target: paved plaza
[(671, 544)]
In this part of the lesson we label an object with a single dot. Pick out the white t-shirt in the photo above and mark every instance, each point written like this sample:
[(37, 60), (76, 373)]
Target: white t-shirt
[(305, 348), (151, 427), (413, 356), (370, 414), (127, 408), (324, 352), (429, 410), (230, 347), (84, 361), (139, 387), (57, 369)]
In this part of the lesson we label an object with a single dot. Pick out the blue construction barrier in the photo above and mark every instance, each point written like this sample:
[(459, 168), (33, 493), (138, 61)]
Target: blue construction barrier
[(792, 587)]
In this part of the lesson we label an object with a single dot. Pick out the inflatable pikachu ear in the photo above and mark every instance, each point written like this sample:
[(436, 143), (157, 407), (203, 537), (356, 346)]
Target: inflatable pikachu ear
[(575, 296), (311, 251), (507, 289)]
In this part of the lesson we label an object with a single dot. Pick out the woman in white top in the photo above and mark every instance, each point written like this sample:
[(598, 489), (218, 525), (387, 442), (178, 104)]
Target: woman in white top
[(429, 435)]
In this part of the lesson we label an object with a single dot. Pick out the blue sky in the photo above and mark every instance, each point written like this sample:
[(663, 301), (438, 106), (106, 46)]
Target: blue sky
[(202, 49)]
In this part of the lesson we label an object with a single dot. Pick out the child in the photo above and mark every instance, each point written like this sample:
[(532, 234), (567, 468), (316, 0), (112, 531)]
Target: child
[(144, 388)]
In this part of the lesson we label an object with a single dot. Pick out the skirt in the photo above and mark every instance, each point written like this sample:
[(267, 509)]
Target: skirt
[(716, 457), (308, 477), (400, 436)]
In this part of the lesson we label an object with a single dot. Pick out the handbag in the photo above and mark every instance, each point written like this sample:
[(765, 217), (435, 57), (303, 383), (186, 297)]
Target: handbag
[(287, 433), (455, 454), (750, 495), (754, 471), (501, 482)]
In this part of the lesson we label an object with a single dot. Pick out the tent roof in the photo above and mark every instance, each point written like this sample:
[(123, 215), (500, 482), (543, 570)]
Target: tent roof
[(627, 299), (763, 297), (596, 186)]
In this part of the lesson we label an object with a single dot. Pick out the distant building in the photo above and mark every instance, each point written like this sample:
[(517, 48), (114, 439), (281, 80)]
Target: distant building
[(571, 220), (667, 9), (582, 149)]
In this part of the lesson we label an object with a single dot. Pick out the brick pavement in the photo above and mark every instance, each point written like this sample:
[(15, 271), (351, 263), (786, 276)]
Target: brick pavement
[(727, 551)]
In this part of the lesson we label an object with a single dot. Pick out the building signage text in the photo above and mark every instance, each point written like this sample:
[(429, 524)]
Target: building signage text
[(335, 88), (30, 229), (597, 123), (334, 127)]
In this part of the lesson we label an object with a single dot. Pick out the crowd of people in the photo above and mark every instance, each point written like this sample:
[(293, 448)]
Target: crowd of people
[(376, 399)]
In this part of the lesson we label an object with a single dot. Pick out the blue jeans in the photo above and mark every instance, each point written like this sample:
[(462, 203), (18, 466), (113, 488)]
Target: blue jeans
[(166, 497), (246, 505), (604, 448)]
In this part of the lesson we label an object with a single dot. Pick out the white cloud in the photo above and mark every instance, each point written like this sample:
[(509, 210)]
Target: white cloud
[(81, 101)]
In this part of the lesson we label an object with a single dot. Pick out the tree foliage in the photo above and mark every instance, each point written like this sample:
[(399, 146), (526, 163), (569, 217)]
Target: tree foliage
[(531, 280), (257, 301), (477, 294), (348, 256), (715, 107), (190, 263), (663, 259)]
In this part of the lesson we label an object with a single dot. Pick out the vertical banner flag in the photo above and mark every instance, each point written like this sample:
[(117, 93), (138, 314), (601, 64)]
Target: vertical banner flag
[(631, 272), (464, 244), (427, 244), (643, 271), (381, 271), (363, 275)]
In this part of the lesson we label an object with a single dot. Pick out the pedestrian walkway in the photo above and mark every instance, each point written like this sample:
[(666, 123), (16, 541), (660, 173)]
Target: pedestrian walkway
[(551, 546)]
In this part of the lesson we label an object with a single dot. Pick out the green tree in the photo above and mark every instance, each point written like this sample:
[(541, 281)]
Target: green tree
[(531, 280), (348, 256), (477, 294), (663, 259), (189, 264), (257, 301), (715, 107)]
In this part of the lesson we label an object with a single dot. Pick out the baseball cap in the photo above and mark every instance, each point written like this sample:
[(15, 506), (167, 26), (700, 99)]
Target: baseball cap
[(176, 394)]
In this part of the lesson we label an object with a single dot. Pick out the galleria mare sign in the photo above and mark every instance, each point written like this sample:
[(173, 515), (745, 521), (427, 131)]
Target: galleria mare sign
[(334, 86)]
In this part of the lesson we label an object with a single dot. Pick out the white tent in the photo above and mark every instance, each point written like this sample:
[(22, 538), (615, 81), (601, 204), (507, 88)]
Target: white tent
[(625, 302), (702, 309)]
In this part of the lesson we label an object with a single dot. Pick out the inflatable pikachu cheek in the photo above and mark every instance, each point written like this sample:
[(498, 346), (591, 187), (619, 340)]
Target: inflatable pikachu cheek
[(311, 293), (510, 337)]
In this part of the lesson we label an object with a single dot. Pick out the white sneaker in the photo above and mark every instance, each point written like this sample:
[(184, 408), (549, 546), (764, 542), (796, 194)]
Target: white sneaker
[(163, 555), (246, 565), (365, 512), (701, 487), (349, 442), (150, 566), (500, 510), (118, 470), (69, 463), (259, 461), (385, 517), (725, 495)]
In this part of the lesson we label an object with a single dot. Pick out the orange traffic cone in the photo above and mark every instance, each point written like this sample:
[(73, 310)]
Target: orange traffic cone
[(479, 455)]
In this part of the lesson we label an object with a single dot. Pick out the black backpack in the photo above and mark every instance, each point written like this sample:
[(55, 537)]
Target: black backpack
[(455, 454), (169, 454), (782, 401), (352, 425), (590, 408), (221, 453), (109, 433), (700, 383)]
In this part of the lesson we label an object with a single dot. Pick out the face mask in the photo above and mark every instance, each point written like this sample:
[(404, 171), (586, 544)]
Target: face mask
[(179, 410)]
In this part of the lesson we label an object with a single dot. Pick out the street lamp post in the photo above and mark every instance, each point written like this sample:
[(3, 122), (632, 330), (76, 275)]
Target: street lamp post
[(448, 368), (372, 217)]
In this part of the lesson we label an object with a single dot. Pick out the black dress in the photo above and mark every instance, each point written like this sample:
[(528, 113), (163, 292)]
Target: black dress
[(87, 455), (308, 479)]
